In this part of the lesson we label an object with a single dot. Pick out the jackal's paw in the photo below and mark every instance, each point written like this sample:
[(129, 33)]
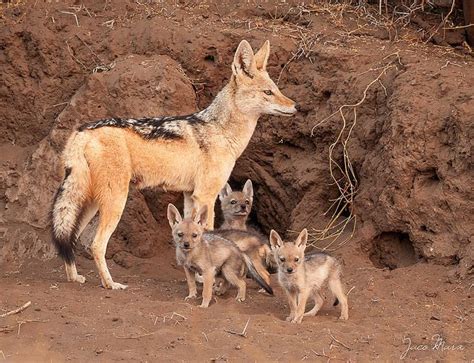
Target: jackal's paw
[(78, 278), (297, 320), (289, 318), (240, 298), (117, 286), (204, 305), (190, 296), (344, 317)]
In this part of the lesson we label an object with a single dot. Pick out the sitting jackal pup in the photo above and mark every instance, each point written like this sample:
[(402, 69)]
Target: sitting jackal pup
[(303, 277), (207, 254), (236, 206)]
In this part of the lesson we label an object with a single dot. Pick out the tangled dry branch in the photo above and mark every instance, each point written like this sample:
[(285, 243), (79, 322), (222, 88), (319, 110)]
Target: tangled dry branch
[(342, 173)]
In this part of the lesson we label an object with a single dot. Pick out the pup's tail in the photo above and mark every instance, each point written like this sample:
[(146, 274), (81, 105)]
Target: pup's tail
[(255, 275), (70, 197)]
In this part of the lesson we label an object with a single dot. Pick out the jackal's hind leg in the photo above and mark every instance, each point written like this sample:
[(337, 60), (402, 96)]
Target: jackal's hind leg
[(337, 289), (87, 214), (110, 213), (318, 302), (235, 280)]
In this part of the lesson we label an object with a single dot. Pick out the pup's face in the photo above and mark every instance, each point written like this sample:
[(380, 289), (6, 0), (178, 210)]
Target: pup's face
[(236, 203), (187, 233), (289, 255)]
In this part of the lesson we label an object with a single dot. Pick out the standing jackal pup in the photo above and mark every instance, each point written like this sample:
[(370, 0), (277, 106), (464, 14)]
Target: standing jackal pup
[(302, 277), (208, 254), (194, 154)]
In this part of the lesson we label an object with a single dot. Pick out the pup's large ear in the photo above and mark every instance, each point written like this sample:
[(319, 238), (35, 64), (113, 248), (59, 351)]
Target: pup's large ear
[(302, 239), (225, 192), (244, 61), (174, 217), (261, 57), (248, 189), (275, 239), (201, 216)]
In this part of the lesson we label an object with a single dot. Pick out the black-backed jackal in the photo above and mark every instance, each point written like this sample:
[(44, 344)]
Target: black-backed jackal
[(208, 254), (194, 154), (302, 277)]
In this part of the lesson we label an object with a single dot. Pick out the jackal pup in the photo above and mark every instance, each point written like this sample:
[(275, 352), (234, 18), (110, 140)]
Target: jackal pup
[(208, 255), (302, 277), (236, 206)]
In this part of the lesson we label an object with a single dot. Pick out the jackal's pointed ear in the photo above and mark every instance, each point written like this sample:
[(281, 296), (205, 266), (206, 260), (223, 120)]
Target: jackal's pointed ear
[(201, 216), (225, 192), (275, 239), (261, 57), (244, 60), (302, 239), (248, 189), (174, 217)]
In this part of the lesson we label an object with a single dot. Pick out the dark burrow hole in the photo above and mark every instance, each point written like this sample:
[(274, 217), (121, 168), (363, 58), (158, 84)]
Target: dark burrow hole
[(393, 250), (209, 58), (327, 94)]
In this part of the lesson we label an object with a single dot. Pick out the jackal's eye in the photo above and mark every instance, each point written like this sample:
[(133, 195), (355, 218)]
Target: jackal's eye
[(282, 259), (194, 235), (268, 92), (297, 259), (180, 234), (233, 201), (247, 201)]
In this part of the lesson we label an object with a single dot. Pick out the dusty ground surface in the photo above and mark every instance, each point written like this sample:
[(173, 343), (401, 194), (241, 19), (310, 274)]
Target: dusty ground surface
[(389, 311), (409, 267)]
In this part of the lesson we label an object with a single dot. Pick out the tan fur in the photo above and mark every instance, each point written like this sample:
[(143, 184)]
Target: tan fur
[(251, 245), (205, 254), (104, 160), (302, 277)]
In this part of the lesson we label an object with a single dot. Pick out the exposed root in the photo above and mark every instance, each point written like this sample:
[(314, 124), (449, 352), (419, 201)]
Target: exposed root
[(343, 174)]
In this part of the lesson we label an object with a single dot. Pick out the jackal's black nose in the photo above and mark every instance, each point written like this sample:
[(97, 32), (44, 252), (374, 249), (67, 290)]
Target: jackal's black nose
[(186, 244), (298, 107), (243, 207), (289, 269)]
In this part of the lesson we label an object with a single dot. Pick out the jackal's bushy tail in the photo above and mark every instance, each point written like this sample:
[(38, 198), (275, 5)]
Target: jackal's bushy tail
[(255, 275), (70, 197)]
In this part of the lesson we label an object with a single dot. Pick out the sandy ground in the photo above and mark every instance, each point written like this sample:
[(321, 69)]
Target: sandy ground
[(390, 312)]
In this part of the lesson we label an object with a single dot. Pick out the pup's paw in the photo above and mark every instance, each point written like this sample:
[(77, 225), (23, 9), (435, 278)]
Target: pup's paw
[(190, 296), (81, 279), (117, 286)]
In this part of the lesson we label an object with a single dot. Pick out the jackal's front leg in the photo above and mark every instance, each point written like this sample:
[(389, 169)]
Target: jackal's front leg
[(292, 303), (208, 282), (190, 279), (302, 299)]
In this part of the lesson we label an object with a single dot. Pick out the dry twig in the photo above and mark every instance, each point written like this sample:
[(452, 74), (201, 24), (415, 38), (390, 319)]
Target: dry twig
[(16, 311), (243, 334), (338, 341)]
